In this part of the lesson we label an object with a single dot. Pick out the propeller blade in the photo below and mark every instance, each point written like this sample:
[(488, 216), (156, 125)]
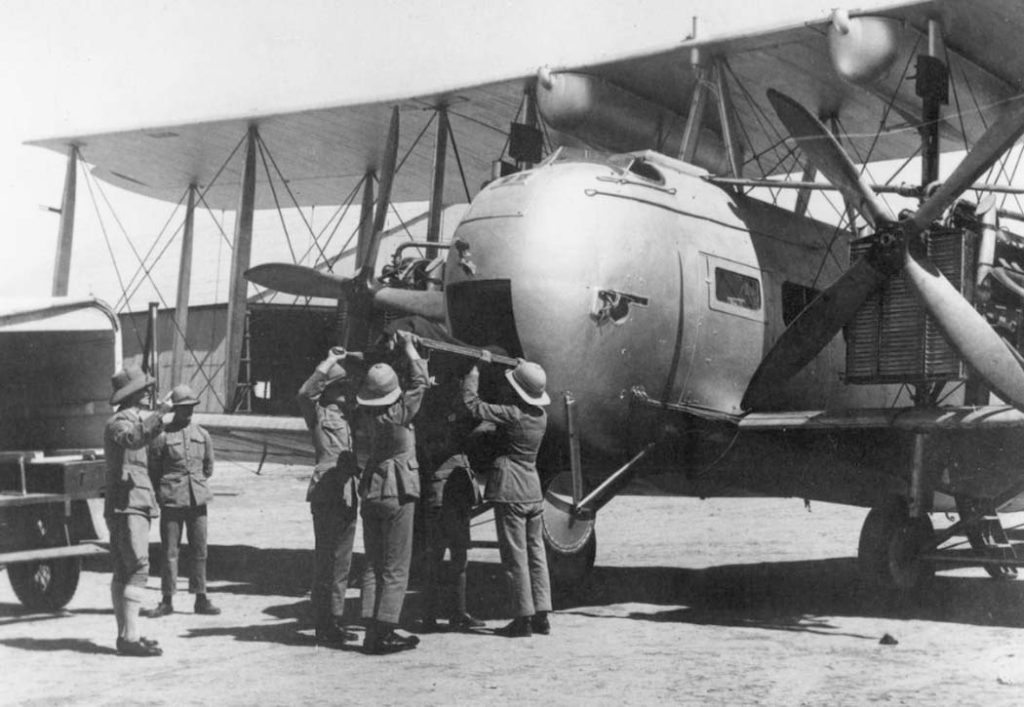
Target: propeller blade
[(989, 148), (299, 280), (428, 304), (967, 331), (828, 156), (812, 330)]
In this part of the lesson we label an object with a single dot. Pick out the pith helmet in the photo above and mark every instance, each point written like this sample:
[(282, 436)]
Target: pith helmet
[(529, 380), (182, 395), (380, 387), (128, 380)]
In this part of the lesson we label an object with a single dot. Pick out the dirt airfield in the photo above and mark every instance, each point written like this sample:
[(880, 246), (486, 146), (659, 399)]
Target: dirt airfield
[(720, 602)]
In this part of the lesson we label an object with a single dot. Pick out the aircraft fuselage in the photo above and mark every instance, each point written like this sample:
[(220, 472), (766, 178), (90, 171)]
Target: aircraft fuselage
[(617, 280), (620, 278)]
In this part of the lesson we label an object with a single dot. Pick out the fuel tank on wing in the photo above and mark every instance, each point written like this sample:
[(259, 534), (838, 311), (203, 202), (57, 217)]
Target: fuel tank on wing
[(601, 270)]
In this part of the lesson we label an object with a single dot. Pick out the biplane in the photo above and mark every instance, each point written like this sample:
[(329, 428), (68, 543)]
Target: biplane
[(691, 241)]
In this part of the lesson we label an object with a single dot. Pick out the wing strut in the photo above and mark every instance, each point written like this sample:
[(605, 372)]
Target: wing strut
[(240, 252)]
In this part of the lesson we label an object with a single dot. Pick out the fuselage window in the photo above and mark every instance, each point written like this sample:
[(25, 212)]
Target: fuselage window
[(794, 299), (737, 290)]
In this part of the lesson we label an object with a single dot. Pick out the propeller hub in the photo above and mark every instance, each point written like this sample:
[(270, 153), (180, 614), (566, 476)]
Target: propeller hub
[(886, 254)]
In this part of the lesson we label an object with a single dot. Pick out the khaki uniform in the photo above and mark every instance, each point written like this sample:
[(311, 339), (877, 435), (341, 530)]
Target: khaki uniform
[(332, 499), (181, 461), (450, 492), (513, 486), (389, 487), (129, 501)]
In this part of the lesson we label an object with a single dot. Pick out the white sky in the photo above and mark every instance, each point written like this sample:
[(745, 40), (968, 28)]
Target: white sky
[(78, 66)]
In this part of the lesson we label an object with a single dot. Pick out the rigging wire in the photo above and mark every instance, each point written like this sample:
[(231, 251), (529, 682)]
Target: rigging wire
[(152, 247), (124, 232), (273, 191), (458, 160), (291, 194), (110, 249), (759, 115)]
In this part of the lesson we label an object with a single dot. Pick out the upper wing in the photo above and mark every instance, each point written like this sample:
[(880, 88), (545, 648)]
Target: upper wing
[(879, 118), (323, 152)]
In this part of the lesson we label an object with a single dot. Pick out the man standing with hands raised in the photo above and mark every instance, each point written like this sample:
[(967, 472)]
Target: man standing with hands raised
[(130, 503), (326, 401)]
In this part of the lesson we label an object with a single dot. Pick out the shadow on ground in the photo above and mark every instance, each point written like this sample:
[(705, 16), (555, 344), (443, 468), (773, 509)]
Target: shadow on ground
[(247, 569), (796, 596), (78, 645), (791, 596)]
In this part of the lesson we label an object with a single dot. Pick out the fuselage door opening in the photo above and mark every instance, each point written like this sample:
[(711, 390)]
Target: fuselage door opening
[(729, 333)]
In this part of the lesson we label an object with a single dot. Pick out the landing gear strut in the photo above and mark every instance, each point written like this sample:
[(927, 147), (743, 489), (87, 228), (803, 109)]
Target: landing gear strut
[(569, 534)]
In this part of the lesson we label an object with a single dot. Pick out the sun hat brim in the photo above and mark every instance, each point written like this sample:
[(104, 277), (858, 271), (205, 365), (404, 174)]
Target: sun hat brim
[(385, 399), (133, 386), (539, 400)]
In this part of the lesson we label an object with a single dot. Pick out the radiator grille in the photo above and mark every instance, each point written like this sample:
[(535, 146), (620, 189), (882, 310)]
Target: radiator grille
[(891, 339)]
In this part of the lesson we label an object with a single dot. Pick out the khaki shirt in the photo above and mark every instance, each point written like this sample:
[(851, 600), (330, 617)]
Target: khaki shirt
[(180, 462), (332, 484), (512, 477), (391, 469), (126, 438)]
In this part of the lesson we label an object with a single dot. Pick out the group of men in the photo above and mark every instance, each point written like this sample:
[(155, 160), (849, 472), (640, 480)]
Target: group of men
[(394, 479), (155, 466), (159, 463)]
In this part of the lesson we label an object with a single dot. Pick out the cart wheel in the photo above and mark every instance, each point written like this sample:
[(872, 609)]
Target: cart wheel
[(45, 585)]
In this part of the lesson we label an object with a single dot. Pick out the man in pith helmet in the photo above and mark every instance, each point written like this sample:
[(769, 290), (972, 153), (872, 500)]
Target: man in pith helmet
[(130, 503), (513, 486), (180, 462), (389, 487)]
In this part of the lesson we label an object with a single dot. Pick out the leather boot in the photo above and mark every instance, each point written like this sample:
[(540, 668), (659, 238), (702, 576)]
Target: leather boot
[(164, 608), (386, 640), (519, 627), (540, 624), (205, 606)]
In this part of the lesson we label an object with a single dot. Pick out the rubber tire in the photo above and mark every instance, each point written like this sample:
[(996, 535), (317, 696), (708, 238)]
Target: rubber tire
[(908, 573), (45, 585), (569, 571), (884, 553)]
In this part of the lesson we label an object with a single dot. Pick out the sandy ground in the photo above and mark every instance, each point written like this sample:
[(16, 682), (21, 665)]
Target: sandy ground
[(729, 601)]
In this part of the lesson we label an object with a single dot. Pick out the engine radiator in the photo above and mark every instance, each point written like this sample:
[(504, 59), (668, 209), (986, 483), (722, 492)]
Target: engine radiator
[(891, 339)]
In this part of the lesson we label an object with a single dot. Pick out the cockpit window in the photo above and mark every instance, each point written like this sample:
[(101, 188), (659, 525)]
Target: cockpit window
[(737, 290), (645, 169)]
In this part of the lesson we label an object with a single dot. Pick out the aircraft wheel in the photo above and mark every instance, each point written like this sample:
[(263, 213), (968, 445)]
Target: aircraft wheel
[(45, 585), (889, 549), (569, 572), (571, 542)]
